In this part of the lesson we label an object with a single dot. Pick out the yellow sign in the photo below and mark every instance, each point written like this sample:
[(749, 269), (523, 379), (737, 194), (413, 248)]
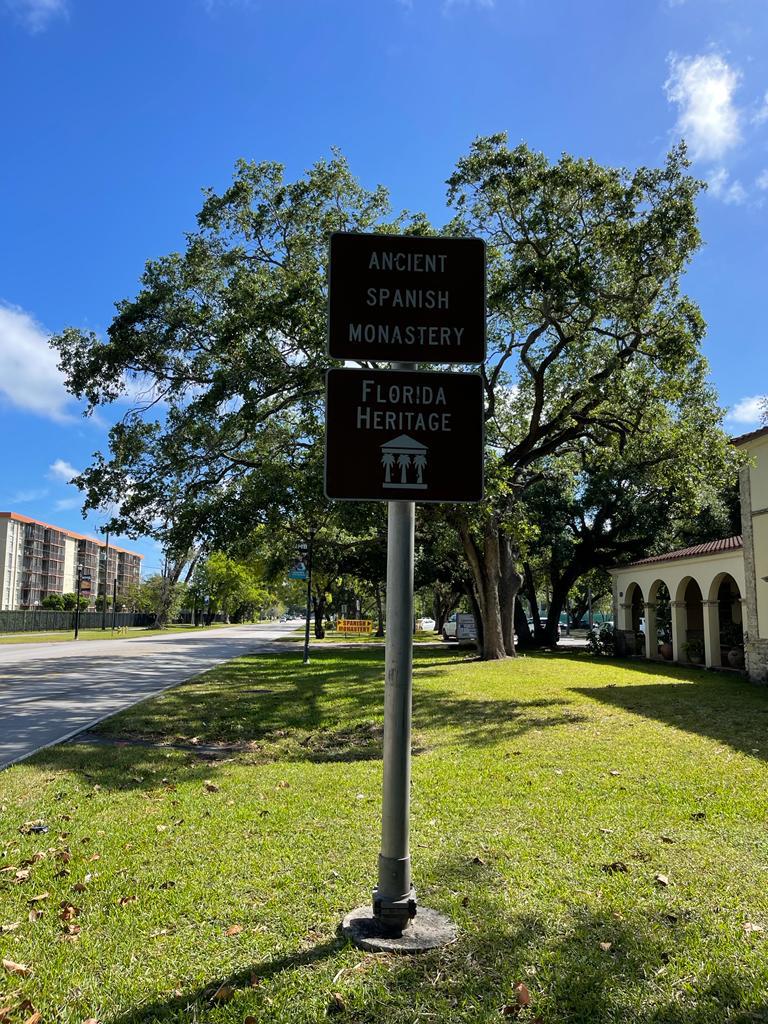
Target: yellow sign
[(355, 625)]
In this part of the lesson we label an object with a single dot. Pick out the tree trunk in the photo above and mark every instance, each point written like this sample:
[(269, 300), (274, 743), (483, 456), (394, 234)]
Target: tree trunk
[(523, 630), (485, 566), (166, 597), (379, 610), (318, 604), (509, 585)]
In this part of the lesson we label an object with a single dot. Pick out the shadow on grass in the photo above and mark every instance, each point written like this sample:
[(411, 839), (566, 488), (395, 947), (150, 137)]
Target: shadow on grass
[(716, 705), (639, 975), (271, 708)]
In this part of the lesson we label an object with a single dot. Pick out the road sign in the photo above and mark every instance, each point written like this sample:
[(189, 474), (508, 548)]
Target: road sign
[(298, 572), (398, 297), (402, 435)]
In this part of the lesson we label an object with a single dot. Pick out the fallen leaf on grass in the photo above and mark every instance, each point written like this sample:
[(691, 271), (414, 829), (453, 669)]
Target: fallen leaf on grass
[(5, 1012), (234, 929), (283, 785), (95, 856), (72, 933), (605, 946), (13, 968), (34, 828), (211, 787), (125, 900), (9, 927), (34, 915), (337, 1004), (68, 911), (613, 771), (251, 1020), (661, 880), (615, 867), (749, 927), (698, 816), (223, 994), (22, 874), (478, 860), (166, 885), (34, 1018), (38, 898), (64, 873), (667, 839), (91, 1020)]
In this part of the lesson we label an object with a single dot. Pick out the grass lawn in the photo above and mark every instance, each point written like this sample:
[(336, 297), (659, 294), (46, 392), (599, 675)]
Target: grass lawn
[(596, 829), (97, 634)]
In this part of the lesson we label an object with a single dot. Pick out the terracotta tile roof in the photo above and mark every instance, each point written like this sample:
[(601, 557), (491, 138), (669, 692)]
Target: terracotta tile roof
[(18, 518), (711, 547), (743, 438)]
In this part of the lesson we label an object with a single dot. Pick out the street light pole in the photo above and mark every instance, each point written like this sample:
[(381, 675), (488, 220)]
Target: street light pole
[(77, 604), (309, 597), (104, 592)]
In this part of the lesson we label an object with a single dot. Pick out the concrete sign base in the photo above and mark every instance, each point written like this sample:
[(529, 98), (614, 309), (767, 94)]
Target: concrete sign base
[(428, 930)]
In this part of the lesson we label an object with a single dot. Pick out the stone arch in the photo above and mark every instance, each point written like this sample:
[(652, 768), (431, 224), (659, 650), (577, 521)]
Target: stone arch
[(632, 608), (688, 614), (723, 616), (658, 621)]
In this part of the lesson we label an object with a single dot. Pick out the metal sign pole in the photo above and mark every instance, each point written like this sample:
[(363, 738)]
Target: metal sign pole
[(309, 599), (394, 900)]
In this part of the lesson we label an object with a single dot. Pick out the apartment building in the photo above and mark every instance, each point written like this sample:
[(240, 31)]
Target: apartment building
[(37, 559)]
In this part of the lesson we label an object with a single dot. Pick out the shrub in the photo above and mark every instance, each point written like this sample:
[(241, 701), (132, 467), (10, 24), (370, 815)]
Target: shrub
[(602, 641)]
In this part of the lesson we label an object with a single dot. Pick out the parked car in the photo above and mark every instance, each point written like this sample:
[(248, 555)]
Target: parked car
[(532, 626), (460, 626), (427, 623)]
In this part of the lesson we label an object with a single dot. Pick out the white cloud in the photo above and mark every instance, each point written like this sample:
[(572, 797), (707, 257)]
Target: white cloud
[(703, 89), (62, 470), (749, 411), (762, 180), (762, 112), (68, 503), (721, 187), (29, 376), (21, 497), (450, 5), (36, 15)]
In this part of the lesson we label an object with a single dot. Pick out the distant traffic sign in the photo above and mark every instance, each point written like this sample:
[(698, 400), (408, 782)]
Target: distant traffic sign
[(399, 297), (397, 434)]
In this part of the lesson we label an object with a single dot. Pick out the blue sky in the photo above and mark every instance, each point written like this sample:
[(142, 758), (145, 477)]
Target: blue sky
[(116, 114)]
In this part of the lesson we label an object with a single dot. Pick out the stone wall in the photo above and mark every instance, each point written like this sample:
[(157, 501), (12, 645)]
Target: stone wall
[(756, 652)]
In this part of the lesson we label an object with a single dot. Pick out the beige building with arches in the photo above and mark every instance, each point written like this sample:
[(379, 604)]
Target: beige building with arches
[(710, 600)]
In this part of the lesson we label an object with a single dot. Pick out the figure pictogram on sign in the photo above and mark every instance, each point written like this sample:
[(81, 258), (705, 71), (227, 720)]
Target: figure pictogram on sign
[(404, 461)]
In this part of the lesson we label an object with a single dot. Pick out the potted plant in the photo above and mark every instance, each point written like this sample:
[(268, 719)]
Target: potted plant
[(694, 651), (732, 641)]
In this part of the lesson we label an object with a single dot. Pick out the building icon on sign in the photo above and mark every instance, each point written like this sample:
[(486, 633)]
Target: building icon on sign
[(405, 462)]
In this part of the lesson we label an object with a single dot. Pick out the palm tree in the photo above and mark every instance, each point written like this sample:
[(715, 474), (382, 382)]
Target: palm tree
[(403, 462), (387, 461), (420, 462)]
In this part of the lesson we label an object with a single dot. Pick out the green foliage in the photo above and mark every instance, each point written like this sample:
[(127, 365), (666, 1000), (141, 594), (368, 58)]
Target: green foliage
[(69, 602), (602, 640), (154, 593), (53, 601)]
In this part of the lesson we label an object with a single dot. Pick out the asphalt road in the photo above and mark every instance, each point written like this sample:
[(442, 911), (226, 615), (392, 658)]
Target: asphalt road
[(50, 691)]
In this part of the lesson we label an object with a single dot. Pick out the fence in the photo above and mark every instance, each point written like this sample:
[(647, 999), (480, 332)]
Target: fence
[(40, 620)]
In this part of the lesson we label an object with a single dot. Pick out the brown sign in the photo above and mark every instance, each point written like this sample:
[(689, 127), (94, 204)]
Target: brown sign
[(401, 298), (407, 435)]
